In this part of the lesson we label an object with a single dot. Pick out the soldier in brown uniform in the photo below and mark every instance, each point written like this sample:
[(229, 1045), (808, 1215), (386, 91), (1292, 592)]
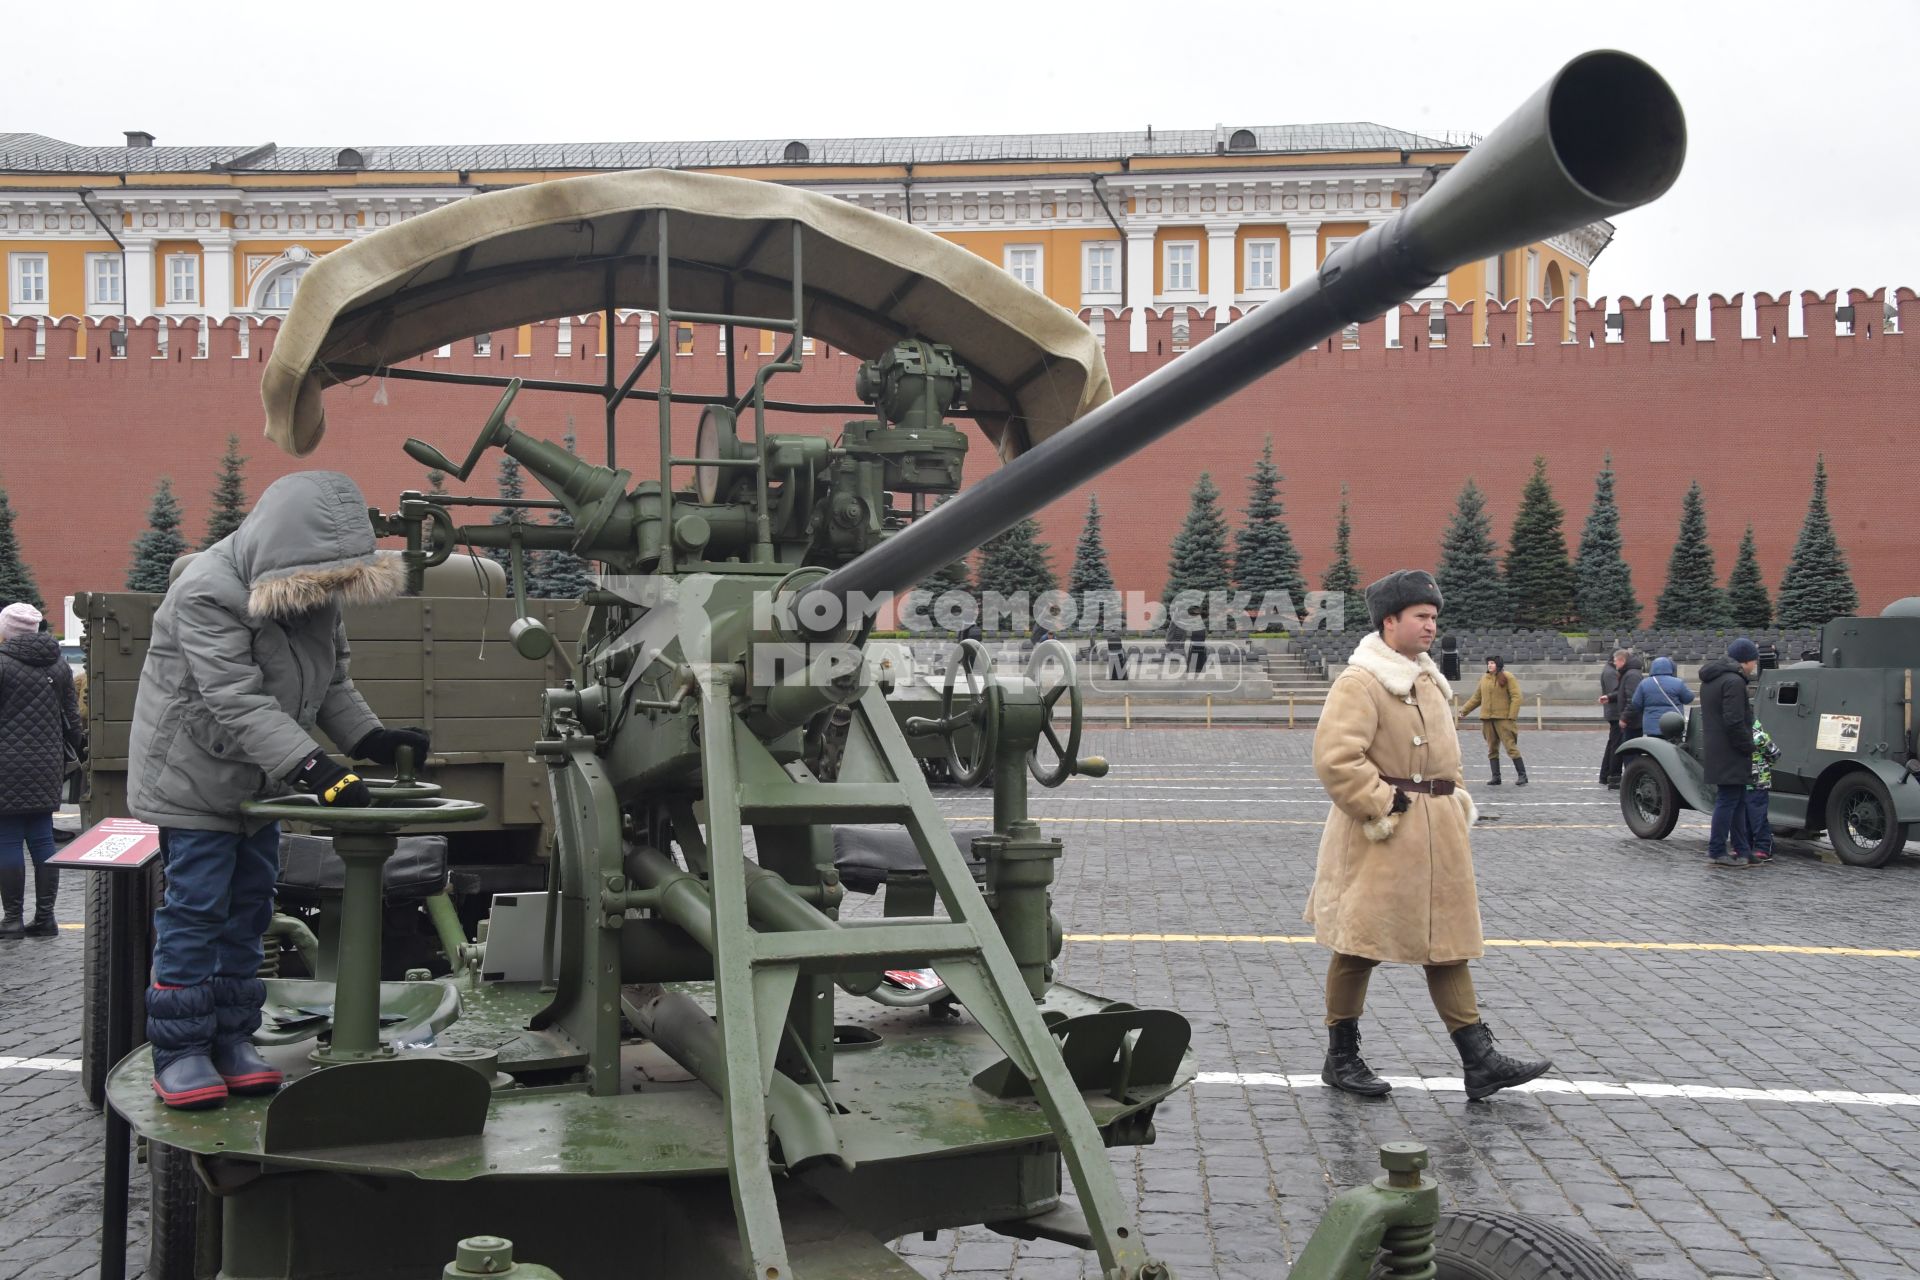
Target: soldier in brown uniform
[(1395, 876)]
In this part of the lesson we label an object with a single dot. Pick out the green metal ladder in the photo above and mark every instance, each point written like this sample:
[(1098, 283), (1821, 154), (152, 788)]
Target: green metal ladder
[(755, 973)]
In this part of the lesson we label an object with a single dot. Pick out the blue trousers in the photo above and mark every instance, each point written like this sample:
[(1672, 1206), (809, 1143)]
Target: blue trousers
[(218, 906), (1759, 829), (34, 830), (1729, 822)]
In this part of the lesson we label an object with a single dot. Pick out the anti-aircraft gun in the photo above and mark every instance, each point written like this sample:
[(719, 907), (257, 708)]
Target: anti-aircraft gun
[(757, 1124)]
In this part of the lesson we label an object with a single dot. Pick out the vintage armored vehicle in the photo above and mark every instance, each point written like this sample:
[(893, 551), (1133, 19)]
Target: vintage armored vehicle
[(708, 1074), (1844, 724)]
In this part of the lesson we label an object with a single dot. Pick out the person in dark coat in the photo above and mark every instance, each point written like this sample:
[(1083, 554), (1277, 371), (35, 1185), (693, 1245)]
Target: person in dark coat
[(39, 714), (1612, 703), (1726, 734), (1630, 677)]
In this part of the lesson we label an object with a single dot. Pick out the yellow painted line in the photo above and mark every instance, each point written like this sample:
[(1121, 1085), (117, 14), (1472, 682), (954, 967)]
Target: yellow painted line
[(1551, 944), (1482, 829)]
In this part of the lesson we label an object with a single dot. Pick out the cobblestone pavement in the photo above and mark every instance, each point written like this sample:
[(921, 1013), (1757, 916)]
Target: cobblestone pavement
[(1205, 840)]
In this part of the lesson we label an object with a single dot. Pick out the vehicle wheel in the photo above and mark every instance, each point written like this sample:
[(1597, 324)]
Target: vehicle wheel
[(1860, 821), (1484, 1244), (183, 1233), (1647, 799)]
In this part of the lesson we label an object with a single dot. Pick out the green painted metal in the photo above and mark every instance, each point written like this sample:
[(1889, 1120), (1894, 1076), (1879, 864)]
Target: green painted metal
[(1397, 1210), (492, 1256)]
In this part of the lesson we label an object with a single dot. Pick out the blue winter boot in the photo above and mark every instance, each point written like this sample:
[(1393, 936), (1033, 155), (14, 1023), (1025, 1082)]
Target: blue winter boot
[(236, 1012), (180, 1026)]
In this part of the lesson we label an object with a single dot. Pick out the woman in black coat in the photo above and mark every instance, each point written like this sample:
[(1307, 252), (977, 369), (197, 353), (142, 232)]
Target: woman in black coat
[(38, 709)]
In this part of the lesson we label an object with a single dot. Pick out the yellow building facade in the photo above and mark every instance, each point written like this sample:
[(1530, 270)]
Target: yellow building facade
[(1205, 220)]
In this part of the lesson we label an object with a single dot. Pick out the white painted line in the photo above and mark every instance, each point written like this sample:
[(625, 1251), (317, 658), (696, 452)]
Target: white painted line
[(1588, 1089), (39, 1064)]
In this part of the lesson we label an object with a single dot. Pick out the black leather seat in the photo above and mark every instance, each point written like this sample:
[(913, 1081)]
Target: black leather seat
[(865, 855), (310, 868)]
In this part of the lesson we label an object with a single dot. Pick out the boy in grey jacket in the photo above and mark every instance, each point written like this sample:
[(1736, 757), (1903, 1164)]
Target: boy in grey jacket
[(248, 657)]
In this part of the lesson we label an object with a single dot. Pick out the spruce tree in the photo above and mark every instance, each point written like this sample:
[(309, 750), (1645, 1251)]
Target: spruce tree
[(1469, 577), (229, 496), (1016, 563), (1341, 575), (1199, 560), (1539, 575), (1602, 583), (1817, 587), (1090, 582), (1265, 560), (16, 580), (1747, 598), (512, 484), (155, 550), (1693, 597), (561, 575)]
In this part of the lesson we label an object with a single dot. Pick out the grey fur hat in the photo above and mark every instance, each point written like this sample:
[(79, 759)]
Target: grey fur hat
[(1401, 589)]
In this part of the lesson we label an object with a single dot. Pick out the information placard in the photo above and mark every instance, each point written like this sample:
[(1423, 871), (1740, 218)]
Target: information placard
[(112, 844)]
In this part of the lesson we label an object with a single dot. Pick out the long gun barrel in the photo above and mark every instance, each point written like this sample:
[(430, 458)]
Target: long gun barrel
[(1603, 136)]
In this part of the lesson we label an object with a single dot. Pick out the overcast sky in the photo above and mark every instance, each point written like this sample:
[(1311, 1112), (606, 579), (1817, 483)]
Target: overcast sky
[(1800, 174)]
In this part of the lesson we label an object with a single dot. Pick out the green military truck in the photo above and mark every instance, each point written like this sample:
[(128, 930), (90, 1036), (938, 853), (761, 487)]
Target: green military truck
[(441, 660)]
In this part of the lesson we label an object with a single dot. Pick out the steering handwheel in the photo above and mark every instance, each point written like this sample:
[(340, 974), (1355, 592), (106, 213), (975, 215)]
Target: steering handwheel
[(1067, 756), (981, 709)]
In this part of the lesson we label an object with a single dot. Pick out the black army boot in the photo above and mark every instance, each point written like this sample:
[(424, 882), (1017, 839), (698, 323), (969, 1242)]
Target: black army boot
[(1345, 1069), (1487, 1069), (46, 887), (1520, 768), (1493, 763), (13, 897)]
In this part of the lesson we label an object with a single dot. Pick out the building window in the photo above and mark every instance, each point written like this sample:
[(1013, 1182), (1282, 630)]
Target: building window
[(482, 344), (563, 336), (1533, 274), (278, 295), (1100, 269), (1023, 264), (29, 279), (1182, 265), (105, 288), (1263, 264), (683, 339), (1573, 288), (183, 280), (1496, 278)]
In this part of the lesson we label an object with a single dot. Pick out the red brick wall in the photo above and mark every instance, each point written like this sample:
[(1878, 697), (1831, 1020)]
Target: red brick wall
[(83, 436)]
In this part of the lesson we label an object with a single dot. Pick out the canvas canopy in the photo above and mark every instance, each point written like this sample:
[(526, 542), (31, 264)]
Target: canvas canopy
[(507, 258)]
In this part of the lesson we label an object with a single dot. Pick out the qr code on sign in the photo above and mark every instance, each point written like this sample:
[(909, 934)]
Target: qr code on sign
[(111, 847)]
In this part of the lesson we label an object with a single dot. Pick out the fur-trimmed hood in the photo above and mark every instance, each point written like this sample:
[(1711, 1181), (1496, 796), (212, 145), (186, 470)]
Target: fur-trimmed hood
[(309, 541), (1393, 670)]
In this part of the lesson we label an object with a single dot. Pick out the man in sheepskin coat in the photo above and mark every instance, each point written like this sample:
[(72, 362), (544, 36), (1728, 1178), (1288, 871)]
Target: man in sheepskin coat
[(248, 657), (1395, 876)]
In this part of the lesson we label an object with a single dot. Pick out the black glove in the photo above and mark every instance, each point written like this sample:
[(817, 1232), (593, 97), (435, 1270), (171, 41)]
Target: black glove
[(382, 746), (335, 786), (1400, 802)]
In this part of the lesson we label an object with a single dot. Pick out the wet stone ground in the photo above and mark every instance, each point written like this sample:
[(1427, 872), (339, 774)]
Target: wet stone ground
[(1214, 833)]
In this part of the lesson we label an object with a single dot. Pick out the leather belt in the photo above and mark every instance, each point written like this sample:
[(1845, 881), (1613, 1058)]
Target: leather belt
[(1428, 787)]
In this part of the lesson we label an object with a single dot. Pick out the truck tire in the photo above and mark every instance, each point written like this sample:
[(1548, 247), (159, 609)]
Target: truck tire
[(1648, 800), (183, 1231), (1485, 1244), (1860, 821)]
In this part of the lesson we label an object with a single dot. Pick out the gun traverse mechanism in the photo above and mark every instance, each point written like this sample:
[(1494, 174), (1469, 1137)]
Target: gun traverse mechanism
[(720, 739)]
